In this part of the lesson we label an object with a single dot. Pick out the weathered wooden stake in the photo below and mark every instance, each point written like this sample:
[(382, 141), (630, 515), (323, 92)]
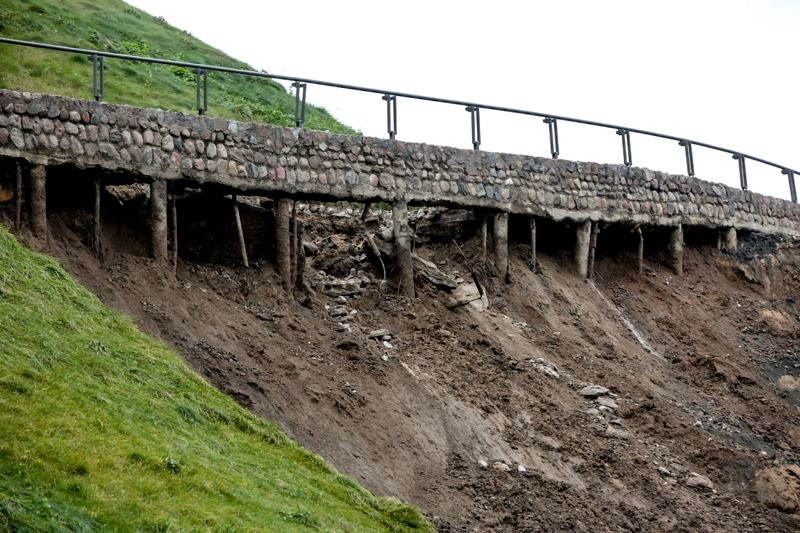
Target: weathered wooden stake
[(582, 237), (500, 237), (402, 247), (730, 239), (676, 249), (640, 251), (283, 243), (300, 269), (533, 245), (174, 209), (484, 236), (38, 202), (240, 232), (365, 212), (592, 249), (98, 229), (158, 220), (293, 241), (18, 198)]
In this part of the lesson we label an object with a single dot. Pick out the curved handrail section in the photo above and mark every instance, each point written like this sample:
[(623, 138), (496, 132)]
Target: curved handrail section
[(300, 85)]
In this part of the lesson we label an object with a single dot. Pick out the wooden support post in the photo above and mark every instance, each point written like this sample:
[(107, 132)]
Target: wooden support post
[(38, 202), (18, 198), (174, 209), (640, 251), (300, 267), (240, 232), (365, 212), (283, 243), (500, 238), (730, 239), (582, 236), (533, 245), (293, 241), (402, 247), (676, 249), (592, 250), (484, 236), (97, 240), (158, 220)]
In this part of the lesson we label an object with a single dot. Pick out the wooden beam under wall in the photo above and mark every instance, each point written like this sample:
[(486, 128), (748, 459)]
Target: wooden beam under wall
[(484, 236), (582, 236), (293, 242), (158, 220), (282, 243), (300, 267), (98, 229), (402, 247), (533, 245), (240, 232), (38, 201), (18, 198), (500, 234), (174, 209), (676, 249), (592, 250), (640, 250)]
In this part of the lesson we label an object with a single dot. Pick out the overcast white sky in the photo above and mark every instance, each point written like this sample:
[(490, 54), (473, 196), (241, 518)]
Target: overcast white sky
[(723, 72)]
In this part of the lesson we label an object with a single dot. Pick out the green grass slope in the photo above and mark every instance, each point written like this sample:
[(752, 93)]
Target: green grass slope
[(112, 25), (105, 429)]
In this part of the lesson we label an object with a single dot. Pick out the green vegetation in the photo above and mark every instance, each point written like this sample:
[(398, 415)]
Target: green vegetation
[(103, 428), (113, 25)]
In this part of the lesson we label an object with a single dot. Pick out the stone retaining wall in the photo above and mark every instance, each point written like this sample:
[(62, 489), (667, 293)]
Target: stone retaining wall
[(257, 158)]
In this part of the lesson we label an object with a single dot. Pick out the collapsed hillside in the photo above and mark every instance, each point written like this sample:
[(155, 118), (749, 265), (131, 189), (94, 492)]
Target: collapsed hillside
[(637, 401)]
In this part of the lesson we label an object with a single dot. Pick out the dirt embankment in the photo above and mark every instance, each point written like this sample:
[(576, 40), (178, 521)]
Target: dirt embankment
[(487, 419)]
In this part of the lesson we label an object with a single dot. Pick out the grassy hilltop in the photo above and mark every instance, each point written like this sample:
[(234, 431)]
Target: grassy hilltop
[(112, 25)]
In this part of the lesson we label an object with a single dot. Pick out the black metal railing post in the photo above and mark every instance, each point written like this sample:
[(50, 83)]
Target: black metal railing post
[(98, 81), (552, 126), (687, 148), (627, 157), (299, 103), (742, 170), (391, 115), (792, 186), (475, 121), (201, 102)]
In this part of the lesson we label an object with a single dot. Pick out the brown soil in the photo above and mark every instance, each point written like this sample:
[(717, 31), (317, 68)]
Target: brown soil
[(459, 387)]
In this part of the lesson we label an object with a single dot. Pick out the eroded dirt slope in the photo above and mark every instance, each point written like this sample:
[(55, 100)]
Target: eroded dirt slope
[(484, 418)]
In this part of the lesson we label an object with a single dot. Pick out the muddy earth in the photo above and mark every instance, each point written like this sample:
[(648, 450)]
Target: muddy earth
[(636, 402)]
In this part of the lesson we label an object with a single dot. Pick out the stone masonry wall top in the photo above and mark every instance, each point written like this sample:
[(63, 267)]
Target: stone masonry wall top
[(257, 158)]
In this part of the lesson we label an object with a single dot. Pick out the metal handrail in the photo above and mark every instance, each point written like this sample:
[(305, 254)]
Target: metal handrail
[(300, 84)]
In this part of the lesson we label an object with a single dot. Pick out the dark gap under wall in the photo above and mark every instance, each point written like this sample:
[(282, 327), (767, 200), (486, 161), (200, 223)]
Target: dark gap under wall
[(207, 230), (8, 199), (555, 239), (124, 209)]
